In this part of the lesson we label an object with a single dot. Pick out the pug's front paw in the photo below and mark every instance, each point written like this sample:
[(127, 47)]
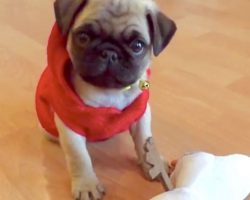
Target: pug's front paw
[(87, 188)]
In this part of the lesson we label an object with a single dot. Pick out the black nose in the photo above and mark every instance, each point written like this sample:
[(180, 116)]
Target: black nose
[(109, 55)]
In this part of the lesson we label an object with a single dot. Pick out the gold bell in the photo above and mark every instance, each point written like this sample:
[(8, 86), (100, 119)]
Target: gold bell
[(144, 84)]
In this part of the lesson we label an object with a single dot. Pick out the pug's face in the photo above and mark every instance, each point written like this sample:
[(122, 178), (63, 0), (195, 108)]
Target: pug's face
[(111, 42)]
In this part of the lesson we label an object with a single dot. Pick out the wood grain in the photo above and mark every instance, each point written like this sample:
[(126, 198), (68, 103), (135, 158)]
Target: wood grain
[(200, 99)]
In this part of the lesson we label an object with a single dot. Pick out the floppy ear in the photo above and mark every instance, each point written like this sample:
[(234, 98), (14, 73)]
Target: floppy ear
[(161, 30), (66, 11)]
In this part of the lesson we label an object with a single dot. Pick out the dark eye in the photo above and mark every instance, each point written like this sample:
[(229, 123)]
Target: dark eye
[(83, 37), (137, 46)]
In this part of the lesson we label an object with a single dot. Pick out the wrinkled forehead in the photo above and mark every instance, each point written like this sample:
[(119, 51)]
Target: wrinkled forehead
[(115, 17)]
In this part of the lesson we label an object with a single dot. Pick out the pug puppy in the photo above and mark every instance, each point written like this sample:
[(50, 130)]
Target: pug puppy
[(110, 44)]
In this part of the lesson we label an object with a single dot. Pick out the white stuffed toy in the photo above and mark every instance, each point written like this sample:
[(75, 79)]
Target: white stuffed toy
[(203, 176)]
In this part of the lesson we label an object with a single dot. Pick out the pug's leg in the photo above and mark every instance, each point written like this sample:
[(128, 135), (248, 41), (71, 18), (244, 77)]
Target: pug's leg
[(141, 134), (85, 185)]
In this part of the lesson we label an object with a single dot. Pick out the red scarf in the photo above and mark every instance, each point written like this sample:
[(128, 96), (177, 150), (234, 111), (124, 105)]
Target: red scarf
[(56, 95)]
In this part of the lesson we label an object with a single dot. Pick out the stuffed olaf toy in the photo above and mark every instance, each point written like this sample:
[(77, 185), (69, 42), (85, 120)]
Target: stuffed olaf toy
[(203, 176)]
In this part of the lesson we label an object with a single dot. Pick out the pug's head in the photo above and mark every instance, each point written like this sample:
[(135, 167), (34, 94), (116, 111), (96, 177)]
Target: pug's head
[(110, 42)]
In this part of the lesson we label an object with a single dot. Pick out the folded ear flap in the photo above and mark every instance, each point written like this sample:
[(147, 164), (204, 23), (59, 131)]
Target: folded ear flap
[(66, 11), (161, 30)]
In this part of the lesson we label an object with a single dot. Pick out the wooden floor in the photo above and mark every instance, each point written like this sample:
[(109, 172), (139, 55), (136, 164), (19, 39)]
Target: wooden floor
[(200, 99)]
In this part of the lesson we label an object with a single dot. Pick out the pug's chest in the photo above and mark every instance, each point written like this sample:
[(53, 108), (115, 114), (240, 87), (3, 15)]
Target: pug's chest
[(102, 97)]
